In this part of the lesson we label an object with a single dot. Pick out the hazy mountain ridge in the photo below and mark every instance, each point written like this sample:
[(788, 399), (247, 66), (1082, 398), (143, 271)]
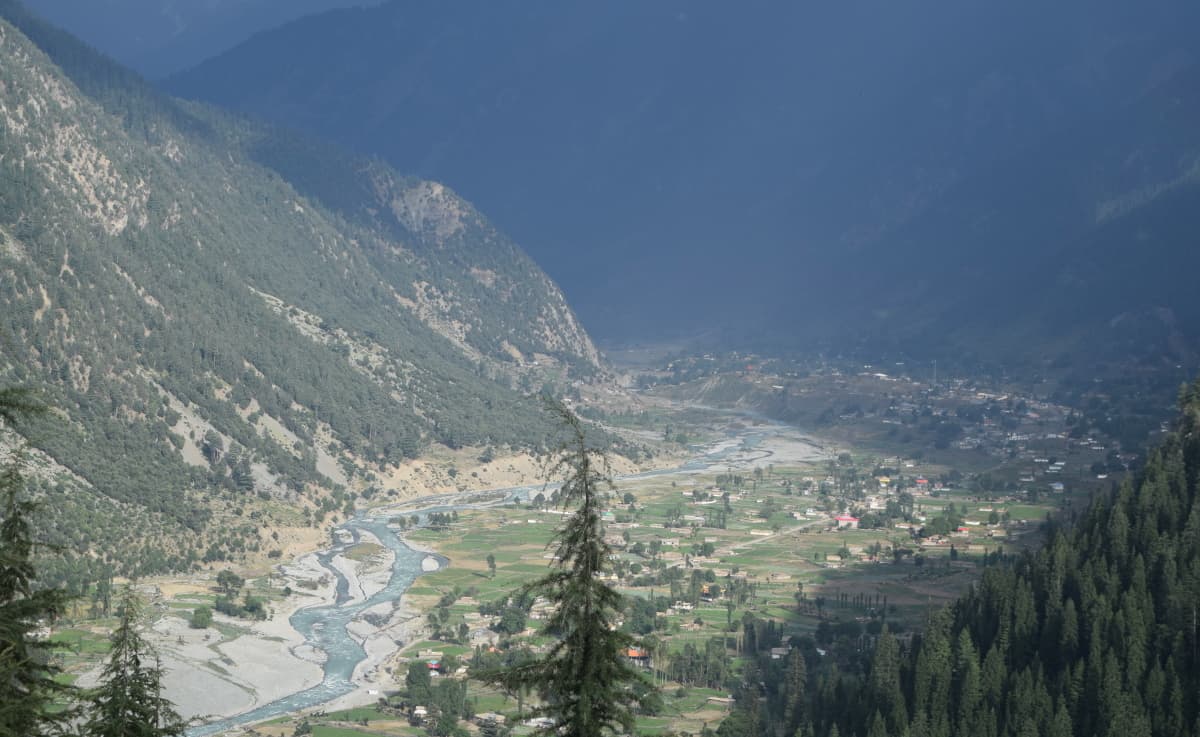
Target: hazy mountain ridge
[(770, 151), (1053, 255), (161, 36), (214, 341)]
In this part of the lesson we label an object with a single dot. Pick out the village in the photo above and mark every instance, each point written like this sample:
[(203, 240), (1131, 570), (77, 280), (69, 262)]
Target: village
[(821, 553)]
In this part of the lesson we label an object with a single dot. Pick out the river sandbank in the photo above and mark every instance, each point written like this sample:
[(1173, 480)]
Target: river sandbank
[(239, 664)]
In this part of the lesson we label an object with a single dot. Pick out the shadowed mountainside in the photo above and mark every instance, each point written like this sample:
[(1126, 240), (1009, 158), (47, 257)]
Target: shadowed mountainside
[(867, 171)]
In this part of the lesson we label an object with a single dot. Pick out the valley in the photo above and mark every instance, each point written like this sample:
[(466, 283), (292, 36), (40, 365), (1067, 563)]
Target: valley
[(521, 368), (751, 527)]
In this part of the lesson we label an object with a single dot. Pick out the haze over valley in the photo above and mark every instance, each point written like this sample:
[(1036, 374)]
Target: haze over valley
[(991, 166)]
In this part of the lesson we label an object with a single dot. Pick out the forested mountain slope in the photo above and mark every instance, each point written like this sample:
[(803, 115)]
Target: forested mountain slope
[(1096, 634), (220, 313)]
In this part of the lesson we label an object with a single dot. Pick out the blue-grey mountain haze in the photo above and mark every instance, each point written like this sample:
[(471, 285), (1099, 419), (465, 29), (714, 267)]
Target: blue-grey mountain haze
[(981, 175), (792, 167), (159, 37)]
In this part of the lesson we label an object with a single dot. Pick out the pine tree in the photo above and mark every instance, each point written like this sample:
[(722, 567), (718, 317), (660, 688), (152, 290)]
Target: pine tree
[(27, 685), (15, 403), (795, 687), (966, 676), (129, 701), (884, 682), (586, 684)]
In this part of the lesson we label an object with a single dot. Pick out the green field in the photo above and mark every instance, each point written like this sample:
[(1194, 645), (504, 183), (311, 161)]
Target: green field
[(772, 557), (762, 538)]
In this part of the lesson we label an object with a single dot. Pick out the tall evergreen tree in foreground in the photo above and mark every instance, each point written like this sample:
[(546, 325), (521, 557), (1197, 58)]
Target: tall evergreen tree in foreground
[(129, 701), (27, 685), (586, 684), (32, 702)]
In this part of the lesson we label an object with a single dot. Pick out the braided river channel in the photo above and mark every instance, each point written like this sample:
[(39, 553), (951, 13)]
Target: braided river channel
[(325, 627)]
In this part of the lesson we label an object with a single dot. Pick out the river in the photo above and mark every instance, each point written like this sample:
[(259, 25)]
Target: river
[(326, 627)]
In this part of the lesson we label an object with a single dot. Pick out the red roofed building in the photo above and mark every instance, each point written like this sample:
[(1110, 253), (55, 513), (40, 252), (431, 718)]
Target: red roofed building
[(637, 656), (846, 521)]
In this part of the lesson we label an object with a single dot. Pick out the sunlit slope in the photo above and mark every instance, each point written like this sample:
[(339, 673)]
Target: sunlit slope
[(210, 333)]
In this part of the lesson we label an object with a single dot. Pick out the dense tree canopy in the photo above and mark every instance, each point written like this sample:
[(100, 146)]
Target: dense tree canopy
[(1095, 634)]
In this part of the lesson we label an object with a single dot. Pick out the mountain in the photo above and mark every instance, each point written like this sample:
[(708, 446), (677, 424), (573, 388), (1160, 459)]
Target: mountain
[(240, 330), (1094, 634), (159, 37), (867, 170)]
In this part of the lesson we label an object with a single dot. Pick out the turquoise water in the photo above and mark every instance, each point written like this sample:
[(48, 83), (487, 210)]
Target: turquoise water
[(325, 627)]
